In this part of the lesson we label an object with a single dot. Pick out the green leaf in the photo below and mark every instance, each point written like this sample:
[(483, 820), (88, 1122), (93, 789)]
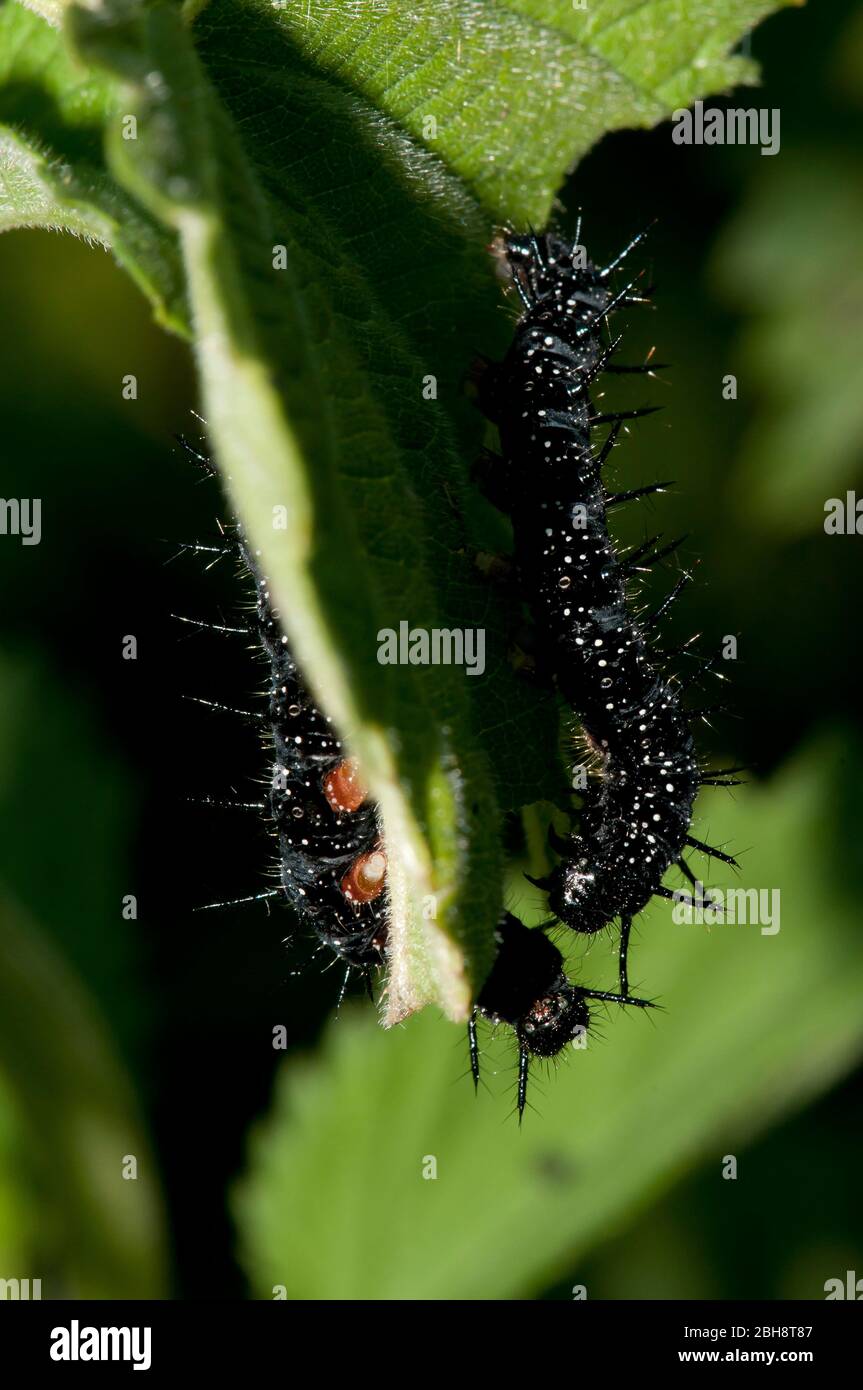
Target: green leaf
[(753, 1025), (518, 92), (75, 1122), (49, 10), (369, 146), (52, 169), (299, 434)]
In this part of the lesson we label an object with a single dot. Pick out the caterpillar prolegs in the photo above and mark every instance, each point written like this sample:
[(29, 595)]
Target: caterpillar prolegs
[(331, 861)]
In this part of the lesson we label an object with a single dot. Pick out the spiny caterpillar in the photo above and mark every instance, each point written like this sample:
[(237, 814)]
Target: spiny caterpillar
[(527, 989), (635, 818), (332, 864)]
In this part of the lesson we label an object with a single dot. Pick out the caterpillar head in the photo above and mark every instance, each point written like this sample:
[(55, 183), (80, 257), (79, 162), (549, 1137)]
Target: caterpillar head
[(553, 1020), (528, 990), (549, 267)]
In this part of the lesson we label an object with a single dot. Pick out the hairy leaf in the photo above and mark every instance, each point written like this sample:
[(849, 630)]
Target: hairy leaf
[(52, 167), (328, 175), (753, 1023)]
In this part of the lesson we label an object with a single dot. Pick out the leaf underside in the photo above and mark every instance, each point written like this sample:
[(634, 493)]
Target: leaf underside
[(378, 144)]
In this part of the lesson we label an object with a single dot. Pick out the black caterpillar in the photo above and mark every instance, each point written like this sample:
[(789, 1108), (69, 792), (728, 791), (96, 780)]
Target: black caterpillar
[(634, 821), (527, 989), (332, 864), (635, 818)]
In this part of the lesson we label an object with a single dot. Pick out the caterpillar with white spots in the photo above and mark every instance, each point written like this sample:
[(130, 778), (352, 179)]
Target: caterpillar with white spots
[(331, 859), (332, 863), (634, 821)]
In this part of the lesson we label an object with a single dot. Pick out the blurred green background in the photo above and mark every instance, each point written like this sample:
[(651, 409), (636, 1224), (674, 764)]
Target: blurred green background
[(153, 1038)]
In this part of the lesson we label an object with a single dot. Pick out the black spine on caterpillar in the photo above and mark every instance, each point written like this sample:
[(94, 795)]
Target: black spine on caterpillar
[(636, 814), (332, 863), (527, 989)]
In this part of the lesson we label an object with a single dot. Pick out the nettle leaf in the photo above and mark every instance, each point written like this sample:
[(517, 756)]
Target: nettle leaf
[(511, 95), (310, 397), (52, 164), (331, 175), (754, 1024)]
